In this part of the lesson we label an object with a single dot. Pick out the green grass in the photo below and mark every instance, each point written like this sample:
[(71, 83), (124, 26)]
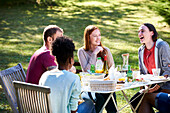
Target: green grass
[(21, 29)]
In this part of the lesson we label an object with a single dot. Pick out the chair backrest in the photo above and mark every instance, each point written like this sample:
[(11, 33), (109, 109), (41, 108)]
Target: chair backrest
[(78, 67), (32, 98), (6, 78)]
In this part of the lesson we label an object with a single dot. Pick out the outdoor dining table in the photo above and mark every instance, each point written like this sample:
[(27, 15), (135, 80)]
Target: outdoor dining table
[(126, 86)]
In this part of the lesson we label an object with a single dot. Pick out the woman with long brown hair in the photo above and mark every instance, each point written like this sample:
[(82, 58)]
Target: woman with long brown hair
[(93, 48), (88, 54)]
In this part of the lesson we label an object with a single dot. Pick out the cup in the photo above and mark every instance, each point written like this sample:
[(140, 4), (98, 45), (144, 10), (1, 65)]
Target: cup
[(85, 79), (119, 68), (82, 74), (85, 82), (156, 71), (135, 74)]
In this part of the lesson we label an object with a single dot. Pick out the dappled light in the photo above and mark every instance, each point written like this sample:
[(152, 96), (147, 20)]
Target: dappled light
[(118, 22), (21, 27)]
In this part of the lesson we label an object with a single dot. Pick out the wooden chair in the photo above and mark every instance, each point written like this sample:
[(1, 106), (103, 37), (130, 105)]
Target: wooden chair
[(32, 98), (78, 69), (6, 78)]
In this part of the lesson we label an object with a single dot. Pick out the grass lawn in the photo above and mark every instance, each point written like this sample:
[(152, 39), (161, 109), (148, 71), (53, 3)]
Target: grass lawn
[(21, 30)]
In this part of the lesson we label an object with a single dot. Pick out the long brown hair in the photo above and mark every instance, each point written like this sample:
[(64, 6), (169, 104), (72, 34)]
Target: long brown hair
[(87, 32)]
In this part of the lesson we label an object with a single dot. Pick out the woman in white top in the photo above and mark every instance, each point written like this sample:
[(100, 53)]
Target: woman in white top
[(88, 54)]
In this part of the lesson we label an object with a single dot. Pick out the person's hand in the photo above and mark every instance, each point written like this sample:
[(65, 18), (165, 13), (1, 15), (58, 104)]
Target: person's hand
[(155, 88), (98, 49), (72, 69), (151, 90), (166, 76)]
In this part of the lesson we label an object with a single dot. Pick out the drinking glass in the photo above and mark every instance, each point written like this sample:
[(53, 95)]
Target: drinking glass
[(85, 80), (119, 68), (156, 71), (135, 74)]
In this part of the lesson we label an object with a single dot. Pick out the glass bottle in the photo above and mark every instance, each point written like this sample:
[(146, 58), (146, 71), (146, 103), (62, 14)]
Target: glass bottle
[(99, 65), (105, 66), (92, 69), (129, 74)]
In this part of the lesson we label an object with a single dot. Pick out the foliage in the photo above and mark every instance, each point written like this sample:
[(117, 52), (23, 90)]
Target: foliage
[(21, 29), (163, 9), (16, 2)]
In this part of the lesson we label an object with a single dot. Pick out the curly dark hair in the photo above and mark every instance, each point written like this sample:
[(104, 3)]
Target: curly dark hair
[(63, 48)]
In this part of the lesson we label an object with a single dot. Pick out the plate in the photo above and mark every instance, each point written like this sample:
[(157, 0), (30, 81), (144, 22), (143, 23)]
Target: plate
[(160, 78), (98, 74)]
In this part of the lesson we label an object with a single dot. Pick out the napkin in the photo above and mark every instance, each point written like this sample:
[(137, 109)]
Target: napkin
[(114, 74)]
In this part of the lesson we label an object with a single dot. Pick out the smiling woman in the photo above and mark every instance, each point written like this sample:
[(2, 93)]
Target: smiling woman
[(154, 53), (88, 56)]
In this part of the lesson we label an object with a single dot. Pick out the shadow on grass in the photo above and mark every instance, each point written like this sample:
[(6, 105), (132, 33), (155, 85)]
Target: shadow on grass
[(21, 29), (24, 22), (162, 7), (13, 58)]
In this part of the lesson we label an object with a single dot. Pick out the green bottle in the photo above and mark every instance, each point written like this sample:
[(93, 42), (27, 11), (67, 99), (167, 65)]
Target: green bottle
[(92, 69), (129, 74)]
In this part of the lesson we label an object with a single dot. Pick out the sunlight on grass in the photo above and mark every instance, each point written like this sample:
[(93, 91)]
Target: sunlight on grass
[(94, 3), (21, 29)]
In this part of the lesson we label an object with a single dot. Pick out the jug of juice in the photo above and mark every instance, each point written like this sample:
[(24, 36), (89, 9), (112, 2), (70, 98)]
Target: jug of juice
[(99, 65)]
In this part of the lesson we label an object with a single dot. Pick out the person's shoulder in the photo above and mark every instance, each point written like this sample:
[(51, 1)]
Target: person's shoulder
[(81, 49), (42, 51), (45, 53), (44, 77), (141, 47), (71, 74), (161, 43), (107, 48), (49, 75), (52, 72)]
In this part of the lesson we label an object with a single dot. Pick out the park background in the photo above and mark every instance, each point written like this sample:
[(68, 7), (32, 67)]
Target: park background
[(22, 23)]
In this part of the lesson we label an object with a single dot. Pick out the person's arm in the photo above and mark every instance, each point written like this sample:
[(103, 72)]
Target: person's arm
[(51, 67), (110, 60), (155, 88), (72, 69), (86, 62), (164, 57), (48, 61), (141, 69), (76, 90)]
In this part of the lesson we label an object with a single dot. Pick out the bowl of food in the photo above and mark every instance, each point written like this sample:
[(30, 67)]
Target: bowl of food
[(121, 80)]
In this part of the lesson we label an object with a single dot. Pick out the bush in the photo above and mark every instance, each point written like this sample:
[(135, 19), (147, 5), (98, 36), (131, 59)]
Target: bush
[(16, 2), (163, 9)]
